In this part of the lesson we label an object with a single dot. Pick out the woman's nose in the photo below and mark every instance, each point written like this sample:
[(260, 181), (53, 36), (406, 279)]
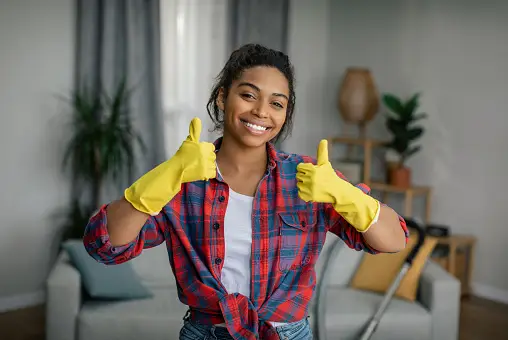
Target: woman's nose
[(260, 111)]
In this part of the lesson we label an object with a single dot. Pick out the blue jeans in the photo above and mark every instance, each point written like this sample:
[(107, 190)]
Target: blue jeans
[(299, 330)]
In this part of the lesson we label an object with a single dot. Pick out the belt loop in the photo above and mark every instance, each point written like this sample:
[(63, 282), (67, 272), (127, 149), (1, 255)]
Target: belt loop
[(212, 331), (187, 315)]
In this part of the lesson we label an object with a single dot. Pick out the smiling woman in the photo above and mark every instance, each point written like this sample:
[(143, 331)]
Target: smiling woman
[(253, 95), (258, 83), (244, 223), (251, 102)]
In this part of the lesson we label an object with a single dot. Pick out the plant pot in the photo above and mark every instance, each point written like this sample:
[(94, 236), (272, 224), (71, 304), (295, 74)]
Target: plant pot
[(389, 167), (399, 177)]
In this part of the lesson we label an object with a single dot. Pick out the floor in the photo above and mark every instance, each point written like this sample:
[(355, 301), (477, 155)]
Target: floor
[(480, 319), (483, 319)]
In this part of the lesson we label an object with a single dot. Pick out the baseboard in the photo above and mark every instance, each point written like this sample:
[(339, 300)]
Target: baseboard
[(489, 292), (9, 303)]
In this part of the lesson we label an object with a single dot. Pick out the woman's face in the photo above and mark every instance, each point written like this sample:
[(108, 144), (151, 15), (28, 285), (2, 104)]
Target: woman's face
[(256, 105)]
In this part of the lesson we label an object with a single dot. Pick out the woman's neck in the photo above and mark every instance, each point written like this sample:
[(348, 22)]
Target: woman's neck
[(236, 159)]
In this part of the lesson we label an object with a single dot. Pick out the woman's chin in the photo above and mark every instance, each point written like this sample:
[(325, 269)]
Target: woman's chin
[(255, 141)]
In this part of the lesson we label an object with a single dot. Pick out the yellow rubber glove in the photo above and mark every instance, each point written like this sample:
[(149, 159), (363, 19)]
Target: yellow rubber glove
[(194, 161), (320, 183)]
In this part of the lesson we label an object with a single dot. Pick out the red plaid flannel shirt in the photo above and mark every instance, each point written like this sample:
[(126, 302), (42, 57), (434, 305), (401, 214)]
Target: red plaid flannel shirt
[(287, 237)]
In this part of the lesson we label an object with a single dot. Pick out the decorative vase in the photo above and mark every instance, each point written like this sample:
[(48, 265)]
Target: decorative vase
[(400, 176), (358, 100)]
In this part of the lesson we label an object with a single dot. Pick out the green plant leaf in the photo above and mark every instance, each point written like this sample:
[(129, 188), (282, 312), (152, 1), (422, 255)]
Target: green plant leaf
[(410, 152), (103, 140), (397, 127), (411, 105), (393, 103), (414, 133), (400, 124), (399, 145)]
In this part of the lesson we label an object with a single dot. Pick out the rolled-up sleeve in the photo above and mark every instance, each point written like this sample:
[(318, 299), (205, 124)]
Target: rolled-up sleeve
[(343, 229), (97, 243)]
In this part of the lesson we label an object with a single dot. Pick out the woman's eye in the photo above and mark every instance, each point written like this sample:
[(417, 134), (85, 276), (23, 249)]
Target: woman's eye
[(248, 96), (278, 105)]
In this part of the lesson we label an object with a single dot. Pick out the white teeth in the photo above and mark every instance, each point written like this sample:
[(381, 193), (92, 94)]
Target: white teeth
[(256, 127)]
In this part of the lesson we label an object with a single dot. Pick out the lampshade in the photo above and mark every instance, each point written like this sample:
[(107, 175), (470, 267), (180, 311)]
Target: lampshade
[(358, 99)]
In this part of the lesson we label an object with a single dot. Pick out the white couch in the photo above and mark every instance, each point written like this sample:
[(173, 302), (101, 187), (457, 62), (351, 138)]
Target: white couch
[(72, 317)]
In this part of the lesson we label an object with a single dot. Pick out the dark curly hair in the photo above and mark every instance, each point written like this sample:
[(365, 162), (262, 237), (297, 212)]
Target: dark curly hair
[(248, 56)]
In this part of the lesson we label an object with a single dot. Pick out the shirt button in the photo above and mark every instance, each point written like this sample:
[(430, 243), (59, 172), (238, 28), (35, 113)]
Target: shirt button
[(218, 260), (216, 225), (221, 199)]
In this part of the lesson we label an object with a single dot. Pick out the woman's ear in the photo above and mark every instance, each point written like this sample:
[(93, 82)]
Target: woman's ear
[(220, 99)]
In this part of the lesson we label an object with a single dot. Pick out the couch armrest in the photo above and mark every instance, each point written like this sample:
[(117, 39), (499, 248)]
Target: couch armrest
[(63, 300), (439, 292)]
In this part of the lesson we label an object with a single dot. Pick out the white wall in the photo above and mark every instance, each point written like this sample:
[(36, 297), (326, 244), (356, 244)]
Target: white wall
[(456, 53), (36, 63), (309, 29)]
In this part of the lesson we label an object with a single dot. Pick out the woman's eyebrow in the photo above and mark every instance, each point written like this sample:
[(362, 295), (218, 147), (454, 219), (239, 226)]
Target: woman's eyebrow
[(259, 90)]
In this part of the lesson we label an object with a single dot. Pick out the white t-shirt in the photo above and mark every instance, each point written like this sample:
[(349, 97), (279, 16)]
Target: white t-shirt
[(236, 269)]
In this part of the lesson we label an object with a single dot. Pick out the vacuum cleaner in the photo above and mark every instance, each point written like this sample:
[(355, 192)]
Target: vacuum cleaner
[(370, 328)]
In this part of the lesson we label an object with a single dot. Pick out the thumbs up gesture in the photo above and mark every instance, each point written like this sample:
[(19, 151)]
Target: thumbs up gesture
[(193, 161), (197, 158), (320, 183), (316, 183)]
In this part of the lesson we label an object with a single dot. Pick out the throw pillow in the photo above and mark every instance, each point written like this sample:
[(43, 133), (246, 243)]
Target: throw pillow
[(111, 282), (377, 272)]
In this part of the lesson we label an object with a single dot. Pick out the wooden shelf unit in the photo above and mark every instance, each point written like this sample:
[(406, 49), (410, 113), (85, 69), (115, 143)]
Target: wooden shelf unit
[(409, 194), (368, 145)]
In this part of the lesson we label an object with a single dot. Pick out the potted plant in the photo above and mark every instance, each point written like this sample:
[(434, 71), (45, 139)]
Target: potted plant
[(101, 146), (400, 121)]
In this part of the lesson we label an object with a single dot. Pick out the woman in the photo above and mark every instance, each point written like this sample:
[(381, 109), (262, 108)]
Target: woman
[(243, 222)]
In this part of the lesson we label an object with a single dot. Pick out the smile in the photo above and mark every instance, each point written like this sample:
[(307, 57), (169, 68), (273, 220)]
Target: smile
[(254, 127)]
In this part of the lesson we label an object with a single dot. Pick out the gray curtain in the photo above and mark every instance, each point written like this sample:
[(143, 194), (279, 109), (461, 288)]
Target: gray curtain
[(259, 21), (119, 39)]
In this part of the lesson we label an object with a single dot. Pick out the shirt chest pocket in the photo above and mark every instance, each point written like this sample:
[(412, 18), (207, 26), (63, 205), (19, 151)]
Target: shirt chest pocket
[(299, 241)]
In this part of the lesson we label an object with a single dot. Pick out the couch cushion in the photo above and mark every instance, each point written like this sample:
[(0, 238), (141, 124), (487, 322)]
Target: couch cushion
[(157, 318), (349, 310), (105, 282), (377, 272)]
